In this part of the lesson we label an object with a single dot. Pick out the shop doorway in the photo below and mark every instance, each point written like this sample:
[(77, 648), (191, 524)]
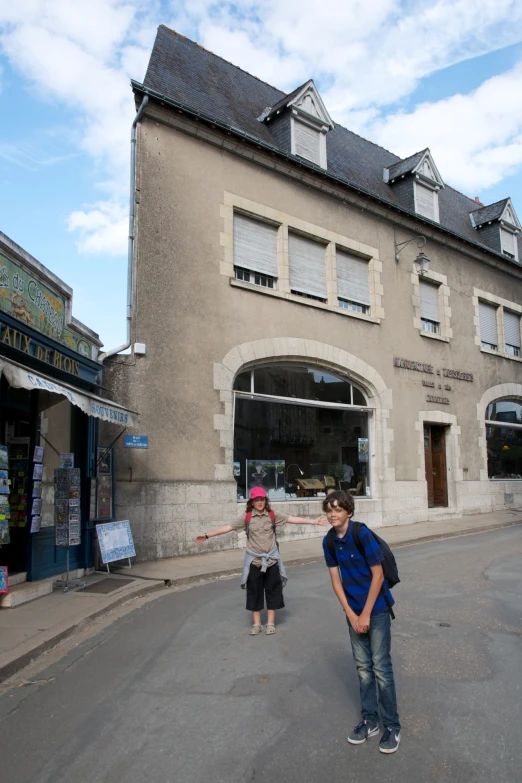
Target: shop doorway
[(435, 464)]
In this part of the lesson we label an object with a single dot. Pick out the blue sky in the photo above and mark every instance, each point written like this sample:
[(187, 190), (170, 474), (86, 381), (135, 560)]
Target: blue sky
[(440, 73)]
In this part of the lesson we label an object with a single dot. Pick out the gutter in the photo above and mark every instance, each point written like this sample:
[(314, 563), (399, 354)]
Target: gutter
[(162, 98), (130, 251)]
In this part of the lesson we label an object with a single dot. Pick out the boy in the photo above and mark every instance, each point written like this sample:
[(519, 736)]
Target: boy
[(263, 572), (358, 582)]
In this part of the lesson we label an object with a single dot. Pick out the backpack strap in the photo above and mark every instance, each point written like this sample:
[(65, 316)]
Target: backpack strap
[(248, 517), (330, 545), (356, 533)]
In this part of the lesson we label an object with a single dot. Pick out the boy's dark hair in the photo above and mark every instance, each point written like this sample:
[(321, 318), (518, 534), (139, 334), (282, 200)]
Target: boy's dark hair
[(339, 498), (250, 506)]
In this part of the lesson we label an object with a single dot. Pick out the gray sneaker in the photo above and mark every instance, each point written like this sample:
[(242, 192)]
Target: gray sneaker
[(390, 741), (361, 732)]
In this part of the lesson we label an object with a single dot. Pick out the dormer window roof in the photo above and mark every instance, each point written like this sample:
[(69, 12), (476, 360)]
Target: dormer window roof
[(309, 122)]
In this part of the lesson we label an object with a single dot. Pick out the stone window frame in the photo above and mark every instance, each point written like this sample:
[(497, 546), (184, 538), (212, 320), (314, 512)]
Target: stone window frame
[(441, 281), (332, 240), (506, 391), (500, 304)]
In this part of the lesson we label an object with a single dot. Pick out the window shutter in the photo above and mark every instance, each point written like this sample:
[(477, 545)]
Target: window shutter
[(255, 245), (307, 142), (425, 200), (508, 241), (307, 261), (352, 278), (429, 301), (488, 323), (512, 328)]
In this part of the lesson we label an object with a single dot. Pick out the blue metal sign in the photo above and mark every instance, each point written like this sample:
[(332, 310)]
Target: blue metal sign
[(136, 441)]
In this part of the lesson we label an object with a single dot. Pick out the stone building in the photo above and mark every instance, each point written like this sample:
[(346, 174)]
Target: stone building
[(310, 309)]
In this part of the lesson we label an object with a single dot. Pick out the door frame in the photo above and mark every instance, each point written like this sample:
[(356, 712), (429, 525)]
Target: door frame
[(429, 463), (454, 473)]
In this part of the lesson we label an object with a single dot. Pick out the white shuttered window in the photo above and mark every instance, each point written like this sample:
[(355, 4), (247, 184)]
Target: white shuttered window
[(255, 245), (307, 142), (488, 325), (512, 329), (426, 202), (307, 262), (508, 242), (429, 302), (352, 278)]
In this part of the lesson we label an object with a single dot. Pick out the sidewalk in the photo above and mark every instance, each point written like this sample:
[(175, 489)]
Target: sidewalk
[(32, 628)]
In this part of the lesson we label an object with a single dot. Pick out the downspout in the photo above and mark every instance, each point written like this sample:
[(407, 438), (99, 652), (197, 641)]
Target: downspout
[(130, 252)]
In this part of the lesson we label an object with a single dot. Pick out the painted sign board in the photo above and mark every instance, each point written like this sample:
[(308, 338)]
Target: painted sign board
[(30, 301), (115, 540), (136, 441)]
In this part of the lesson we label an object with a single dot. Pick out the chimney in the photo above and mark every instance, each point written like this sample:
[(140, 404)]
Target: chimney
[(478, 201)]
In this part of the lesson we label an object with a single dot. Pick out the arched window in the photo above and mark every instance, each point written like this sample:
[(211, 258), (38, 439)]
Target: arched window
[(504, 439), (299, 431)]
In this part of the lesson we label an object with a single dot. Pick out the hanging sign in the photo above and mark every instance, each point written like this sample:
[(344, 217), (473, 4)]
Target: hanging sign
[(136, 441)]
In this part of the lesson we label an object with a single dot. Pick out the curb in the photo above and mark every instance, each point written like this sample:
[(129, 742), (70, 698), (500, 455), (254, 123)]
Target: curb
[(318, 558), (23, 660)]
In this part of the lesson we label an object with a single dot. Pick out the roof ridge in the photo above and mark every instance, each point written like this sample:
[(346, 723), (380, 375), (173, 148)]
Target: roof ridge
[(195, 43)]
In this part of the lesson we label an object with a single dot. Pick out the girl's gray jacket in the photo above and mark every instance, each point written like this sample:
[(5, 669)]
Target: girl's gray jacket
[(264, 557)]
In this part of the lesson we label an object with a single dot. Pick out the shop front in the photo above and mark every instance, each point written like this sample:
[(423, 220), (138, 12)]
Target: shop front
[(50, 461)]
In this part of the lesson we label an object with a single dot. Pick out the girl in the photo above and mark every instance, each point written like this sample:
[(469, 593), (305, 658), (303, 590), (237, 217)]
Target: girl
[(263, 570)]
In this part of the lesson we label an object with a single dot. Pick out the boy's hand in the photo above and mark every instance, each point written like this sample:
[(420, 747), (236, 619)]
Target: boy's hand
[(363, 623), (200, 539), (353, 622)]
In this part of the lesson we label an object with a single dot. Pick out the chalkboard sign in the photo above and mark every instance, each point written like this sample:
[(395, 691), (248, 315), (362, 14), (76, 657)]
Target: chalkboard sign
[(115, 540)]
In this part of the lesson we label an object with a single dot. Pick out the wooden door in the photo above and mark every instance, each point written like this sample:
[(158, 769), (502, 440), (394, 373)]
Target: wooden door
[(435, 463)]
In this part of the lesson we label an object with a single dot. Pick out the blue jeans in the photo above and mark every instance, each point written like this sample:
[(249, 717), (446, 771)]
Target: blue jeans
[(372, 656)]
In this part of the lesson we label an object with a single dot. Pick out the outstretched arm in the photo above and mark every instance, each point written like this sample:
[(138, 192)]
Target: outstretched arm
[(218, 531), (302, 521)]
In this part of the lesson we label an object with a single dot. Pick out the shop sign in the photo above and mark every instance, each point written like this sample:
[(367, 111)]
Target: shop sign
[(136, 442), (27, 299), (438, 400), (22, 342)]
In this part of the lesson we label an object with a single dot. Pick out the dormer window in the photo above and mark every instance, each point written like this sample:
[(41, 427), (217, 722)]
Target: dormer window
[(508, 243), (427, 201), (308, 142), (309, 123)]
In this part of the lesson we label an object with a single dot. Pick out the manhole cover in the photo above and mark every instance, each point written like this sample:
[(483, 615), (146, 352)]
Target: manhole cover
[(107, 585)]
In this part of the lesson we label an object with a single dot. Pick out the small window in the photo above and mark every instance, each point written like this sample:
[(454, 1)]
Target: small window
[(307, 142), (426, 202), (353, 287), (429, 307), (255, 250), (488, 326), (254, 277), (508, 243), (307, 263), (512, 333)]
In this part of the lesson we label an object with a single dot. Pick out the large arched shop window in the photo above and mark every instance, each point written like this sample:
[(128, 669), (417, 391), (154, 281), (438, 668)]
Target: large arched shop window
[(293, 425), (504, 439)]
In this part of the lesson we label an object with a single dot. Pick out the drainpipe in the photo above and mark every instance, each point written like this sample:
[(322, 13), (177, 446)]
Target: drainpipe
[(130, 255)]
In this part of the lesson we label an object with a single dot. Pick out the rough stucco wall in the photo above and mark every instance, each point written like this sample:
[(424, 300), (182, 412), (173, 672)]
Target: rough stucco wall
[(190, 317)]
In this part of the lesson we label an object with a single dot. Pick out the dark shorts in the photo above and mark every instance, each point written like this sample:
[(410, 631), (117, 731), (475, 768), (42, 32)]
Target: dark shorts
[(260, 584)]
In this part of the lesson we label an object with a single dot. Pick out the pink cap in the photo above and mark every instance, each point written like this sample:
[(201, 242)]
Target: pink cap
[(257, 492)]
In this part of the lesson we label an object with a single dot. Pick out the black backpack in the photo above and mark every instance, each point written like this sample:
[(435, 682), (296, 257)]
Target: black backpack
[(389, 564)]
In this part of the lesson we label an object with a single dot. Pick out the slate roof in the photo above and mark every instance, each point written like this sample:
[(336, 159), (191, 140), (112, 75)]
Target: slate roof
[(489, 213), (407, 165), (205, 84)]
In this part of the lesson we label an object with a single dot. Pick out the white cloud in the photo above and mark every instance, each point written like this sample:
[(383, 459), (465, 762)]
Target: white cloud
[(476, 139), (364, 55)]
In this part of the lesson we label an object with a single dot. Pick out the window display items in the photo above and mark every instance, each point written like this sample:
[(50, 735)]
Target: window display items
[(362, 444), (38, 454), (66, 460), (4, 579), (269, 474)]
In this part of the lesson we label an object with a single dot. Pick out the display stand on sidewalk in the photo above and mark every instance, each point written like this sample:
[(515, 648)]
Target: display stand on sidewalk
[(67, 514), (116, 543), (67, 583)]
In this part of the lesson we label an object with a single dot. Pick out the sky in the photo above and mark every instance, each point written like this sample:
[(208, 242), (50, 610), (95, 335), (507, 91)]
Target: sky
[(406, 74)]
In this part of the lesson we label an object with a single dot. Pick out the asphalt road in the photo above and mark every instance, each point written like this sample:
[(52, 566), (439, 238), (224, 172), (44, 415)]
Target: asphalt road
[(176, 691)]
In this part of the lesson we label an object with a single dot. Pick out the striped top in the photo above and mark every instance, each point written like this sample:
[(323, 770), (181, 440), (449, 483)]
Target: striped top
[(356, 574)]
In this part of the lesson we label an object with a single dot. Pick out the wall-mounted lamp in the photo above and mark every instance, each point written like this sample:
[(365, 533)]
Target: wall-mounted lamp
[(422, 262)]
